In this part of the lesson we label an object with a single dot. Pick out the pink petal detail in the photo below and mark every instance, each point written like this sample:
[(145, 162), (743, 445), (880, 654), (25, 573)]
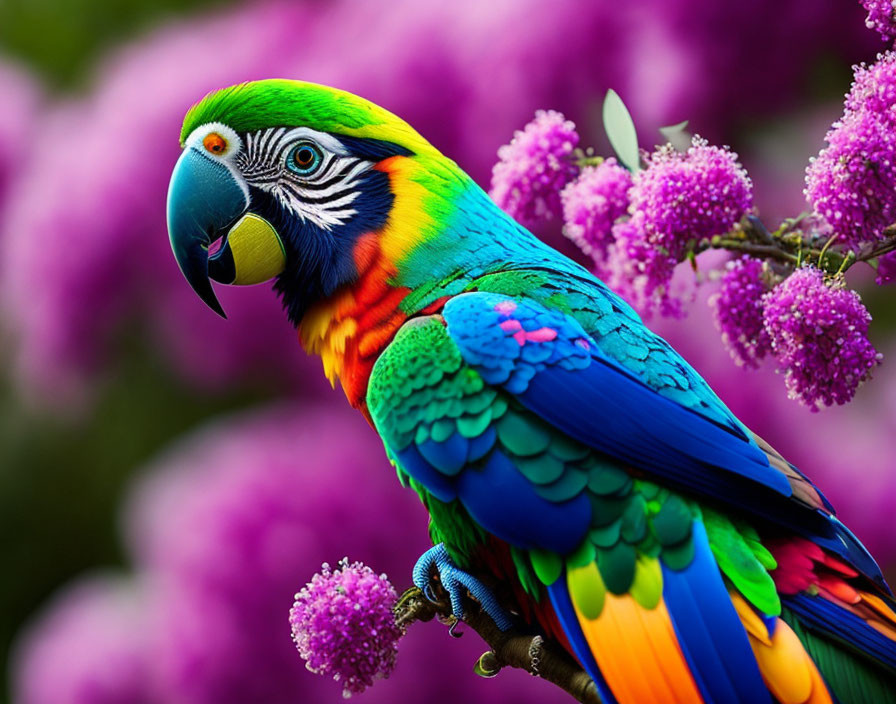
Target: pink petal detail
[(510, 325)]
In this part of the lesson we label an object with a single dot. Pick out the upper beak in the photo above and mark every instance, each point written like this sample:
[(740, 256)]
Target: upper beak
[(206, 201)]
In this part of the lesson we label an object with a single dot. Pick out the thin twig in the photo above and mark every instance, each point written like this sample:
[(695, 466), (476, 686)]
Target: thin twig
[(764, 251), (512, 648), (791, 247), (885, 247)]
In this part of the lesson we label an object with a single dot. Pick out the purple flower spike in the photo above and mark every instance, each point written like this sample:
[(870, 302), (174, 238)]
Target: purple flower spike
[(819, 335), (738, 311), (592, 203), (691, 195), (343, 625), (881, 17), (535, 166), (852, 182), (678, 198)]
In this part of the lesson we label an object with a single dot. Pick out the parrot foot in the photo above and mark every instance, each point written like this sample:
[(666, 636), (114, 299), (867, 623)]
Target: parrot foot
[(456, 582)]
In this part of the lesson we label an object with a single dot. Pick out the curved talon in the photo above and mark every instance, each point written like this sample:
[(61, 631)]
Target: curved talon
[(454, 633), (455, 582)]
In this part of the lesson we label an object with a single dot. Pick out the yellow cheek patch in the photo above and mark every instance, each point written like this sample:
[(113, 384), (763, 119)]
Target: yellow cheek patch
[(258, 253)]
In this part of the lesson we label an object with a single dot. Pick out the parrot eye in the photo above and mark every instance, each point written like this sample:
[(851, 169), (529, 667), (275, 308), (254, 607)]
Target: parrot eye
[(305, 158), (214, 143)]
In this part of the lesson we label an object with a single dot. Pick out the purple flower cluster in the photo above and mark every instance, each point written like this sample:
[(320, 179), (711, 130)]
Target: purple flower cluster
[(343, 625), (690, 195), (852, 182), (881, 17), (533, 169), (639, 271), (819, 335), (738, 310), (592, 204), (679, 198)]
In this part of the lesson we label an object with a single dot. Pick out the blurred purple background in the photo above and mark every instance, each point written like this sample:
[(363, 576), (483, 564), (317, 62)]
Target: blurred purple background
[(232, 467)]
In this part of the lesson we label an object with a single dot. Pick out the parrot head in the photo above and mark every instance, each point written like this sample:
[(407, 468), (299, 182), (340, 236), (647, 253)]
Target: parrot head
[(281, 180)]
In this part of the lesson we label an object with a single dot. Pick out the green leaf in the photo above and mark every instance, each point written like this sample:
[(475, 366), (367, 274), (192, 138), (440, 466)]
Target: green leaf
[(677, 135), (621, 131)]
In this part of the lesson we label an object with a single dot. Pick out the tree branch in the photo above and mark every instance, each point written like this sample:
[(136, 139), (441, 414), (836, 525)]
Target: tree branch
[(512, 648), (790, 246)]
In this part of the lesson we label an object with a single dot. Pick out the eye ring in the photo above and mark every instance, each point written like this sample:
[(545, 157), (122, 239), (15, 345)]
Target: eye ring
[(304, 158), (214, 143)]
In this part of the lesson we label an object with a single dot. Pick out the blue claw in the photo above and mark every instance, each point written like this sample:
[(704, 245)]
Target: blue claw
[(456, 582)]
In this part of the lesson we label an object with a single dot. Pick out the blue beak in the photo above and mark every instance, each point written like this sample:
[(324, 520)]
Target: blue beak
[(204, 201)]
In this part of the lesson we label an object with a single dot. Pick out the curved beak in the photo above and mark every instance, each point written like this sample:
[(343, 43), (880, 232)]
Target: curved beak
[(207, 201)]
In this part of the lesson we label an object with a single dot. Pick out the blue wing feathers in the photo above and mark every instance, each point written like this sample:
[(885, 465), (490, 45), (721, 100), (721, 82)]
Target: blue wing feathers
[(413, 463), (663, 421), (611, 412), (847, 546), (704, 618), (506, 504), (584, 393), (825, 616), (687, 439)]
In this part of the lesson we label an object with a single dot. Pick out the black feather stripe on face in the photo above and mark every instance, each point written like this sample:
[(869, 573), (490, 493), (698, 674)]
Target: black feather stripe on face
[(319, 215)]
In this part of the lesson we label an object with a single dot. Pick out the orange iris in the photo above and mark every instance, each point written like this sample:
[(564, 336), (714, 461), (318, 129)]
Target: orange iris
[(214, 143)]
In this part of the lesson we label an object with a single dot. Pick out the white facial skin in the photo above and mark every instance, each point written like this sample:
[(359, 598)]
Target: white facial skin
[(218, 142), (310, 173)]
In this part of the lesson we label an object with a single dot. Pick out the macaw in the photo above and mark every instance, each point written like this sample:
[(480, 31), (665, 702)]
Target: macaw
[(562, 449)]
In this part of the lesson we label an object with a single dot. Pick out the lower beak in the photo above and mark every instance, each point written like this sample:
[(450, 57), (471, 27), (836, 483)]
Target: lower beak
[(207, 201)]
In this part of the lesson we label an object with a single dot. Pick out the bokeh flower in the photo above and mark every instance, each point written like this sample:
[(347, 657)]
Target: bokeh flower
[(881, 17), (852, 181), (21, 99), (344, 627), (535, 166), (88, 647), (592, 204), (819, 336), (737, 307)]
